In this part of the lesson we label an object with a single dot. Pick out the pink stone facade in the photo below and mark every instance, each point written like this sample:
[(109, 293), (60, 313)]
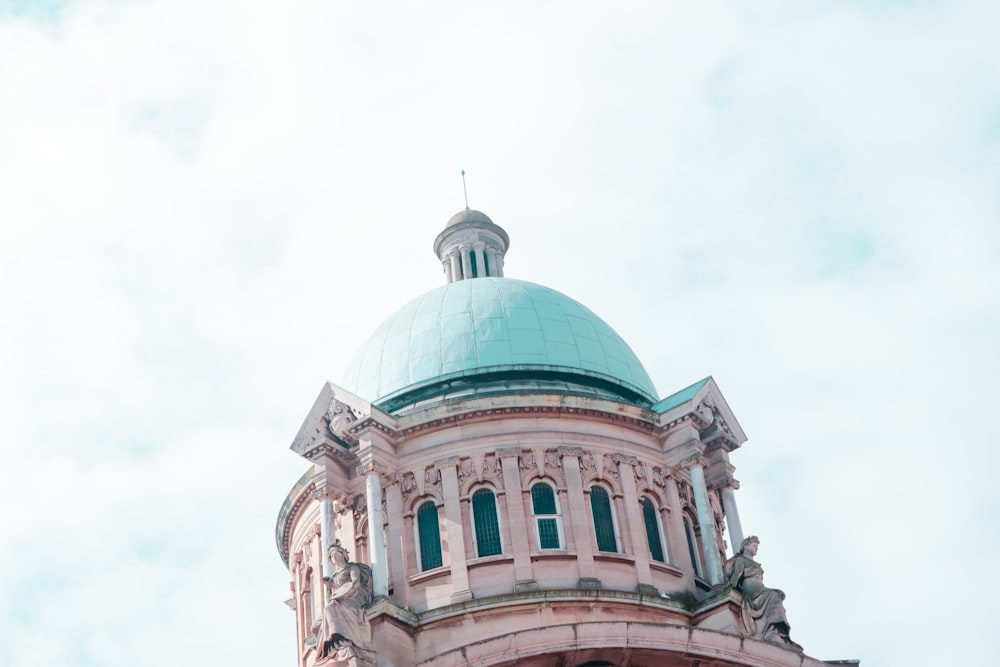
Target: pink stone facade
[(525, 605)]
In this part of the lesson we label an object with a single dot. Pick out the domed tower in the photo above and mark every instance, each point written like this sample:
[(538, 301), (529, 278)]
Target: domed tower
[(500, 464)]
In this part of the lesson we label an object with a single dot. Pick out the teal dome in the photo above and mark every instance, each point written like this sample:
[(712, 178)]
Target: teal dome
[(494, 330)]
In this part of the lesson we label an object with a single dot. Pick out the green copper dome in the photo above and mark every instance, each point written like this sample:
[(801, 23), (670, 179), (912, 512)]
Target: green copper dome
[(494, 330)]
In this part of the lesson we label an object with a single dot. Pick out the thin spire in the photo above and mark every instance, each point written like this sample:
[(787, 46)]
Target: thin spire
[(465, 191)]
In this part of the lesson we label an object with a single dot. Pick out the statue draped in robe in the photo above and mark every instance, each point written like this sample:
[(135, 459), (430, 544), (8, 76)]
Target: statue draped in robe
[(763, 612), (344, 631)]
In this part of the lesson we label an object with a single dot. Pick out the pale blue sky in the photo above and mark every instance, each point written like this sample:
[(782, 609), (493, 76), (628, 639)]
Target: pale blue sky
[(205, 208)]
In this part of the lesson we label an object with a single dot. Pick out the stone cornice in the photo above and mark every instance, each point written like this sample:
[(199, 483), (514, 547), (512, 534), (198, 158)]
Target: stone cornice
[(646, 423), (371, 424)]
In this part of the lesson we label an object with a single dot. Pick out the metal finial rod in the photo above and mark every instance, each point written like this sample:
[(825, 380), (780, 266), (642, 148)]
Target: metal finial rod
[(465, 191)]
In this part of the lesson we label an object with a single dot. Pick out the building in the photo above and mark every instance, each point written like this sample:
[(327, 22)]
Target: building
[(521, 495)]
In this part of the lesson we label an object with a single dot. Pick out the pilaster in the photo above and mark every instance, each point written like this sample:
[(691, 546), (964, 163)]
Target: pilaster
[(635, 527), (453, 529), (524, 578), (578, 536)]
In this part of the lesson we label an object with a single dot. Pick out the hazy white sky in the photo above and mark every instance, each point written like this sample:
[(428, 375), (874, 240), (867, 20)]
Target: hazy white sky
[(206, 206)]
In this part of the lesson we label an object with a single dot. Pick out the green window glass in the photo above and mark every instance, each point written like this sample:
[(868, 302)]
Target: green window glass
[(484, 513), (543, 506), (430, 536), (604, 525), (652, 530), (692, 551)]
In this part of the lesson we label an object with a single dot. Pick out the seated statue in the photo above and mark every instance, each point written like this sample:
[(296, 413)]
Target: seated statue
[(344, 631), (763, 614)]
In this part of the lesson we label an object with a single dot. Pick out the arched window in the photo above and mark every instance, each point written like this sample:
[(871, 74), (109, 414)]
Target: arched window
[(548, 523), (429, 534), (692, 547), (654, 531), (486, 523), (604, 519)]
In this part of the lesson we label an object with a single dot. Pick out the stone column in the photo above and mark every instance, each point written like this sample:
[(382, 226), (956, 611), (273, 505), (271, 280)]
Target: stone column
[(376, 530), (579, 518), (705, 521), (480, 260), (454, 529), (328, 532), (456, 266), (447, 270), (499, 265), (397, 565), (466, 262), (732, 516), (635, 527), (491, 262), (524, 578)]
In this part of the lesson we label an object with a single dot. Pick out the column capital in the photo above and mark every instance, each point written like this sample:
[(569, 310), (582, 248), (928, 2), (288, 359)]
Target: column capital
[(324, 492), (691, 460), (625, 458), (448, 462), (371, 466)]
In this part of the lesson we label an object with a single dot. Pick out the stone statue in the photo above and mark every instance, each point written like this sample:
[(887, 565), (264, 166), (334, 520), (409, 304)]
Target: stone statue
[(763, 613), (344, 631)]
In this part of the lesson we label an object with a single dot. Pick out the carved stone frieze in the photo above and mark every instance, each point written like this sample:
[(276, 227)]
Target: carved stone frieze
[(432, 476), (505, 452), (659, 479)]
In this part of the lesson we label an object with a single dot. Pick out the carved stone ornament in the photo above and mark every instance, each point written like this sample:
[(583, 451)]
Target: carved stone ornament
[(552, 460), (466, 469), (360, 505), (432, 476), (658, 478), (706, 411), (491, 470), (684, 491), (610, 465), (408, 484), (588, 462), (339, 416)]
